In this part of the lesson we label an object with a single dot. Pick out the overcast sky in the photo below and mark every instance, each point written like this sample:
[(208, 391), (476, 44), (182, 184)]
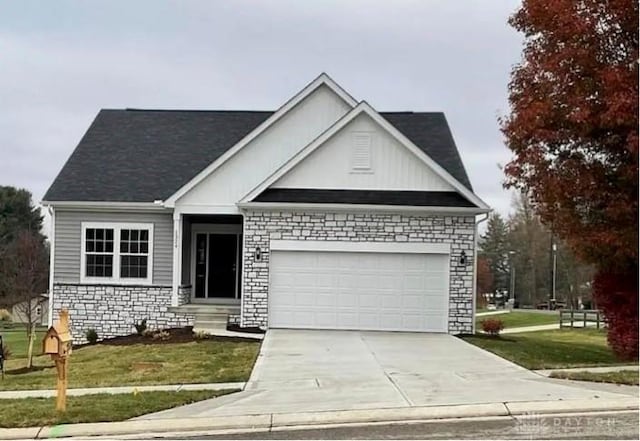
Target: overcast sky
[(60, 62)]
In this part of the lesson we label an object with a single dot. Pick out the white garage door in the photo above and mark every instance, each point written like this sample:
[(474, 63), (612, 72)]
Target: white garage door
[(358, 290)]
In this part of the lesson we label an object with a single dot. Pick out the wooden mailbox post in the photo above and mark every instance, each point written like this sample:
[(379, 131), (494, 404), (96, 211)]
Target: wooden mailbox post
[(57, 343)]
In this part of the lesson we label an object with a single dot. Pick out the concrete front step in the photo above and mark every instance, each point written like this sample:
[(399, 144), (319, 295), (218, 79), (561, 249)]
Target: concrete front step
[(222, 324)]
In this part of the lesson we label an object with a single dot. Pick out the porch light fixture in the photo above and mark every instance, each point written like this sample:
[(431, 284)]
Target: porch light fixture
[(463, 258), (258, 254)]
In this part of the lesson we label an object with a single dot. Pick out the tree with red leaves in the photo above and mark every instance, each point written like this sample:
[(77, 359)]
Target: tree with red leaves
[(573, 129)]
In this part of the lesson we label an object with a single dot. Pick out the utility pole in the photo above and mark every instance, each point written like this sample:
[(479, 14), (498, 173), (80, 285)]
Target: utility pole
[(512, 284), (553, 271)]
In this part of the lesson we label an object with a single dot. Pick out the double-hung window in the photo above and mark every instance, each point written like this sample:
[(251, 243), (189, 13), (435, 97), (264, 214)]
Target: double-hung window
[(117, 253)]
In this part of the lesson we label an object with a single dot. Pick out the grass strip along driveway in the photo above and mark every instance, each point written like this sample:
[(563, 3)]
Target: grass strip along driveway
[(618, 377), (561, 348), (213, 360), (519, 319), (31, 412)]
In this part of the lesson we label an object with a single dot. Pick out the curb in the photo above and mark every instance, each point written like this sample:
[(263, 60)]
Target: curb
[(267, 422)]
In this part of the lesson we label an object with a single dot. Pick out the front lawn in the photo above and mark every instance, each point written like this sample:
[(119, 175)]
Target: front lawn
[(214, 360), (30, 412), (559, 348), (619, 377), (16, 339), (517, 319)]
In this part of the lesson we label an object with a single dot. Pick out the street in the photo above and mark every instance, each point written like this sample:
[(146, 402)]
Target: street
[(611, 425)]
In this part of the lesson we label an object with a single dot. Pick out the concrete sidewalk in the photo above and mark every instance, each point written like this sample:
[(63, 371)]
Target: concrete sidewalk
[(11, 394), (289, 421)]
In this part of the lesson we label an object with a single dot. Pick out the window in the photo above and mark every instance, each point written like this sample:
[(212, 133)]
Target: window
[(117, 253), (99, 251), (134, 253), (361, 152)]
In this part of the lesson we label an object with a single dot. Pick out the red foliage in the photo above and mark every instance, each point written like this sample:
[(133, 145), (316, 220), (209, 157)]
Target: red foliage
[(617, 295), (492, 326), (573, 125), (573, 129)]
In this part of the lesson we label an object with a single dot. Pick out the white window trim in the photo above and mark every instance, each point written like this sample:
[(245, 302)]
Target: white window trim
[(115, 277)]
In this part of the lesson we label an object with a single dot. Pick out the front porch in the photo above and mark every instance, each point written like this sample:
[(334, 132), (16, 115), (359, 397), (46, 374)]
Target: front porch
[(208, 269)]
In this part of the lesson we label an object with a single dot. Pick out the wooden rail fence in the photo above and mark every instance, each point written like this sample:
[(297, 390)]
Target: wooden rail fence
[(581, 318)]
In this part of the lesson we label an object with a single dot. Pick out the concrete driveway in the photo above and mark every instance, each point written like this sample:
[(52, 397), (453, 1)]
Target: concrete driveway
[(307, 371)]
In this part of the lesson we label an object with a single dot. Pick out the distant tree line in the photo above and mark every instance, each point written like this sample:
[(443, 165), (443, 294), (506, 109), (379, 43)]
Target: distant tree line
[(520, 249)]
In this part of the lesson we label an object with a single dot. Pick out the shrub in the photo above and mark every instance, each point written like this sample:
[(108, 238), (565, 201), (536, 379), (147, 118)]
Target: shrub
[(91, 335), (492, 326), (201, 335), (141, 327), (616, 293), (160, 335), (5, 315)]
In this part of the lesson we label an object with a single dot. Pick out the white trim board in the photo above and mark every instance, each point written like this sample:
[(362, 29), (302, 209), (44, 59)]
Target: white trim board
[(104, 206), (321, 80), (360, 247), (361, 108)]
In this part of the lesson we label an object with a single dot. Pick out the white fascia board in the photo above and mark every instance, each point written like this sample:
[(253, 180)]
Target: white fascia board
[(323, 79), (360, 247), (101, 206), (294, 206), (364, 107)]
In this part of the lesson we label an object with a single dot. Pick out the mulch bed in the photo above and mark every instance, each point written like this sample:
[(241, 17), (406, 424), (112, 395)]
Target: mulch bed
[(176, 335)]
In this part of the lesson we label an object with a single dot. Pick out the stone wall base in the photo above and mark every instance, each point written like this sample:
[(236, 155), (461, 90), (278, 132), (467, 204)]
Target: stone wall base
[(113, 310)]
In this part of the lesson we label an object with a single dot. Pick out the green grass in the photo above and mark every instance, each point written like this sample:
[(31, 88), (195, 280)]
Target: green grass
[(517, 319), (619, 377), (16, 339), (30, 412), (560, 348), (206, 361)]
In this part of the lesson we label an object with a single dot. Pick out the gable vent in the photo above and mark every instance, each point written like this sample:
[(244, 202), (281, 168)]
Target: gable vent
[(361, 151)]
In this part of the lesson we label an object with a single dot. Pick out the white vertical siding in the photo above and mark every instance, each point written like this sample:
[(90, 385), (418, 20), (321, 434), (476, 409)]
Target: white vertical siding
[(261, 157), (68, 236), (392, 166)]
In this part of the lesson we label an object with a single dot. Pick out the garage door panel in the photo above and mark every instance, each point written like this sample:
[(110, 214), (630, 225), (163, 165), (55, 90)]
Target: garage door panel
[(350, 290)]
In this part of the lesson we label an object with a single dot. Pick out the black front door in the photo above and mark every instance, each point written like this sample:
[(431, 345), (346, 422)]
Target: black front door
[(216, 266), (223, 258)]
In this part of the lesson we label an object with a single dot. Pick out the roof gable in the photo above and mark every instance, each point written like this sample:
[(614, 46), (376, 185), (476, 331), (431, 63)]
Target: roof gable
[(360, 109), (389, 165)]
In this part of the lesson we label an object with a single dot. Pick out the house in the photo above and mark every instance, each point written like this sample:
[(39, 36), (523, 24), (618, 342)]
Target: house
[(325, 214), (37, 307)]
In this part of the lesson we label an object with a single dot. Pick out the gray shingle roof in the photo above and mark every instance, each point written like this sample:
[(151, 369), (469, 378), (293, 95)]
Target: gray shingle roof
[(145, 155)]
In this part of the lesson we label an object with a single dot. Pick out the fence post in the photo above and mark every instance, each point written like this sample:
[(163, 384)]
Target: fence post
[(584, 320), (572, 318), (597, 319)]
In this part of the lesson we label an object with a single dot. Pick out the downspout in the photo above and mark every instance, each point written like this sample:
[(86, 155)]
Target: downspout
[(52, 244), (475, 271)]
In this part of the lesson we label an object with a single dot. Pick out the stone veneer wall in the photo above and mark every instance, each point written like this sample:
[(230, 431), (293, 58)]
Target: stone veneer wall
[(112, 310), (184, 295), (262, 226)]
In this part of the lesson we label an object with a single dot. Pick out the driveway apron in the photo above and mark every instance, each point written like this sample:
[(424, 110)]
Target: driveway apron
[(307, 371)]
